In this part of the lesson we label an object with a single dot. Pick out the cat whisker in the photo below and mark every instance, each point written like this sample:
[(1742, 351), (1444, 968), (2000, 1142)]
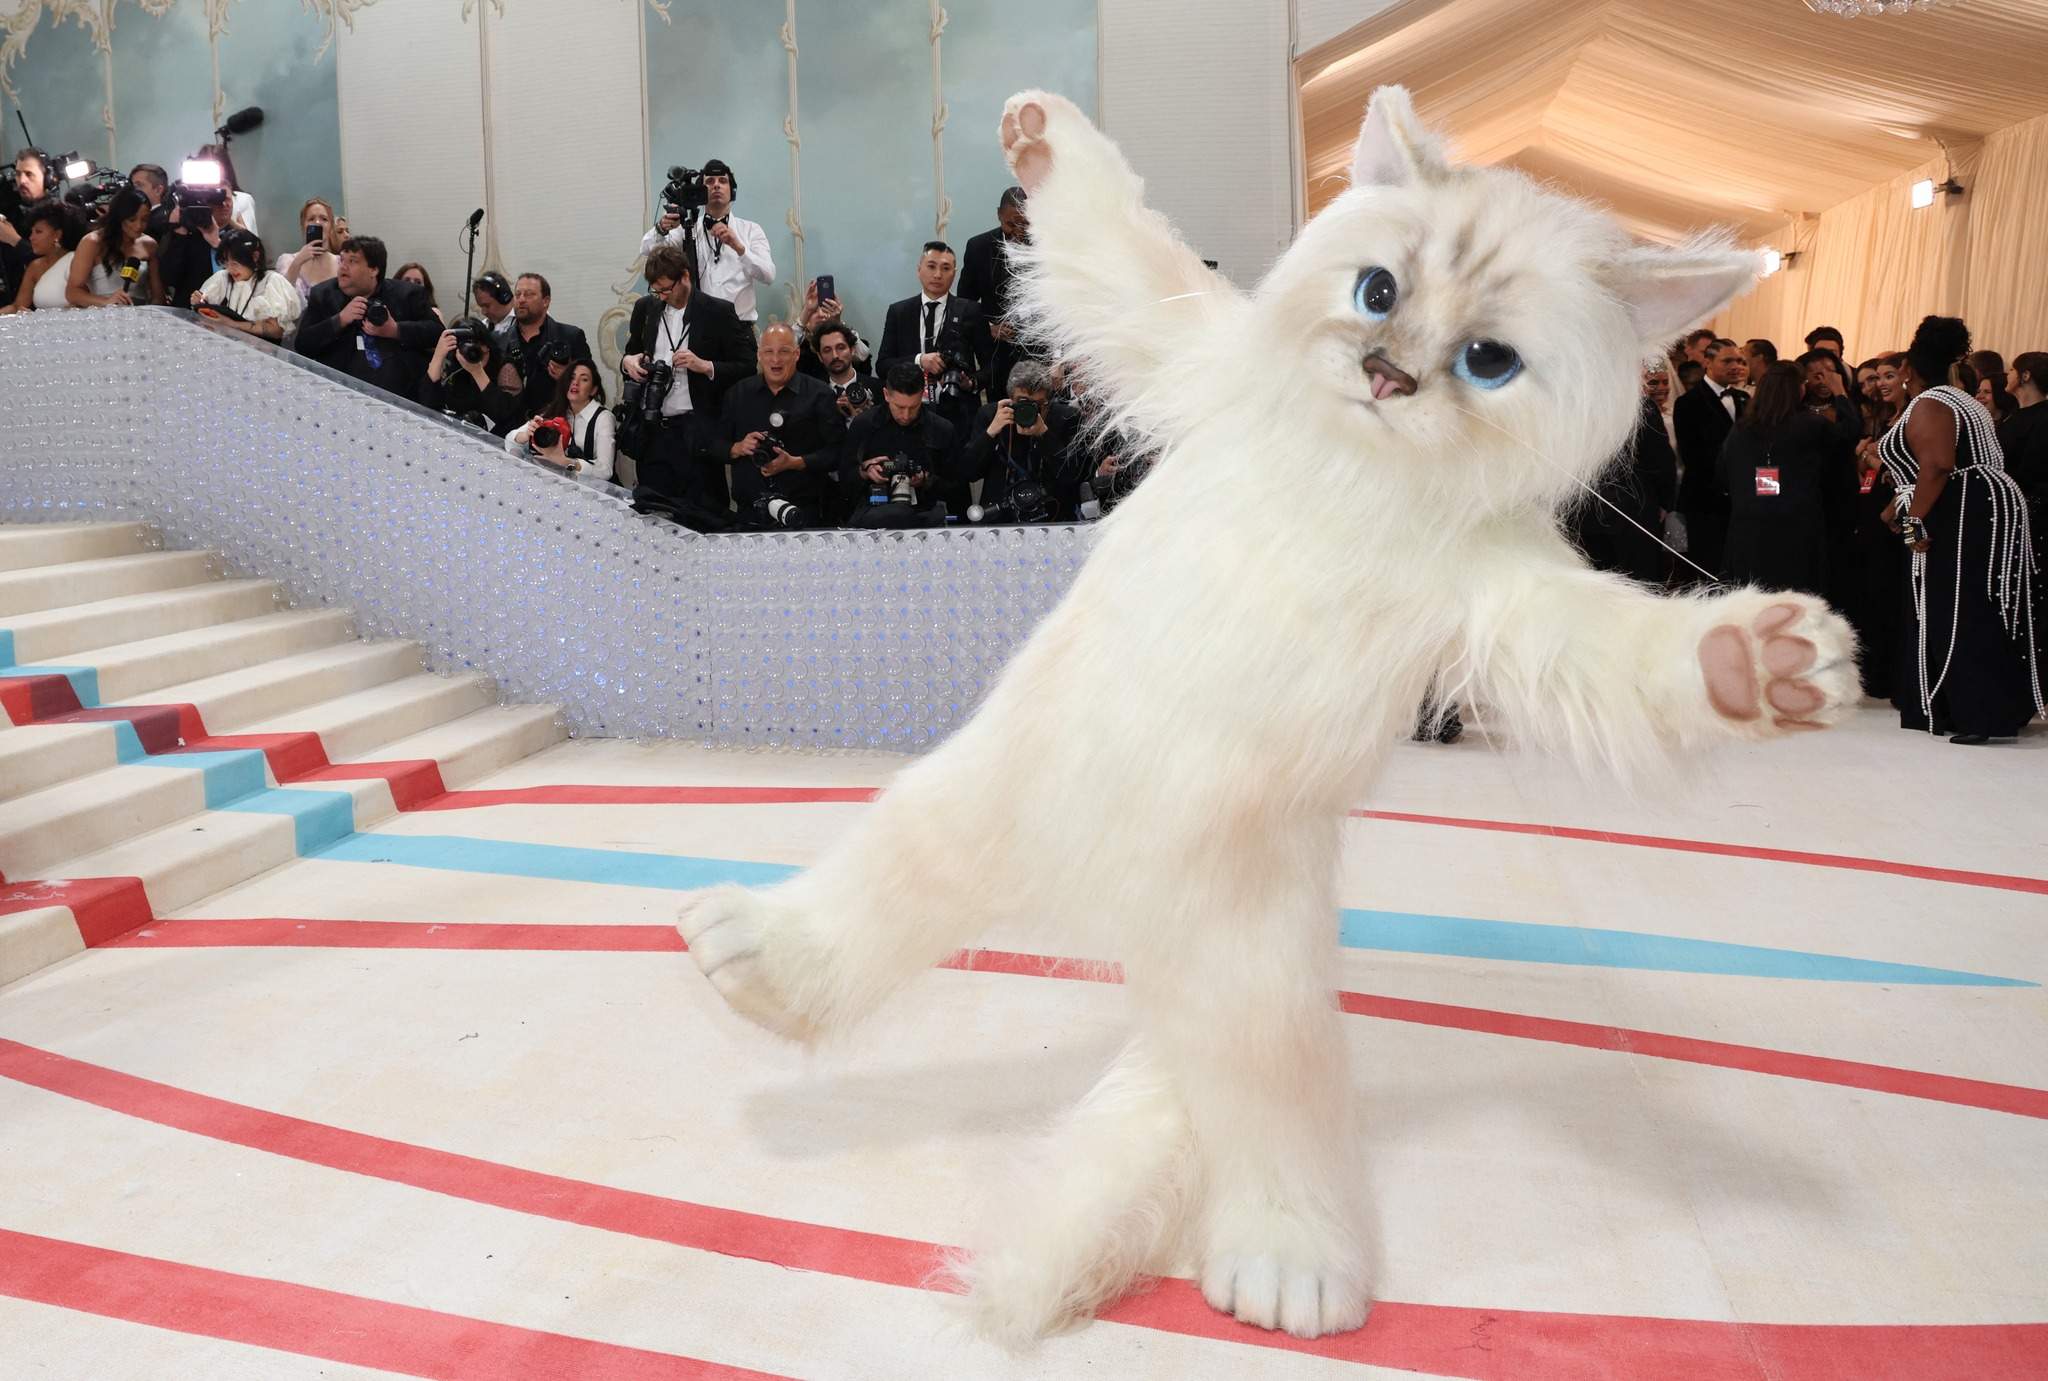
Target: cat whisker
[(1713, 581)]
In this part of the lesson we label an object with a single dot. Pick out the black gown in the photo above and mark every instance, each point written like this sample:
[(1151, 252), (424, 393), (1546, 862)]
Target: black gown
[(1970, 658), (1783, 490)]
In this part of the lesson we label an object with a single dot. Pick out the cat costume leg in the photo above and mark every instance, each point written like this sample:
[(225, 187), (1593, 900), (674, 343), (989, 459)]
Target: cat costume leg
[(1165, 765)]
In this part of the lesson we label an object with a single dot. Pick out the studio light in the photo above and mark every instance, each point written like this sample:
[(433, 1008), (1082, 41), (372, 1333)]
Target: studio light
[(1773, 261), (201, 172), (1923, 193), (76, 167)]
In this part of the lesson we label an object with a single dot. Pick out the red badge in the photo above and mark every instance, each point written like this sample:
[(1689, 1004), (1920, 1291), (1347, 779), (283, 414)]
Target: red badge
[(1767, 480)]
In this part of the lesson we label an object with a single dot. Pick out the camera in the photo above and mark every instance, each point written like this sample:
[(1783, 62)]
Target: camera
[(1028, 503), (685, 195), (376, 313), (643, 397), (555, 352), (896, 486), (773, 511), (860, 395), (472, 339), (549, 431), (1024, 413), (92, 192), (767, 446)]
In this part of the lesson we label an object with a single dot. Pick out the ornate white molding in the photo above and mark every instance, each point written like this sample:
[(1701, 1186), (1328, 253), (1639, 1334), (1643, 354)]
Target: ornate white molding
[(796, 169), (941, 203), (216, 25), (332, 12)]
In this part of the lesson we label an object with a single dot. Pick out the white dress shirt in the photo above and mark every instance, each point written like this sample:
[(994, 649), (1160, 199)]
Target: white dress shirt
[(938, 322), (603, 437), (728, 274), (1721, 391), (671, 334)]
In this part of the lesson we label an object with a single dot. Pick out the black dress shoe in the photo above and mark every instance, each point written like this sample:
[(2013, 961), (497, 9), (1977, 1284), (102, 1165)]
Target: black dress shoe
[(1970, 740)]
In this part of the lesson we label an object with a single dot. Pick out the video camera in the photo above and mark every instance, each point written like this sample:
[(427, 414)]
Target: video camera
[(201, 186), (685, 195), (1029, 502)]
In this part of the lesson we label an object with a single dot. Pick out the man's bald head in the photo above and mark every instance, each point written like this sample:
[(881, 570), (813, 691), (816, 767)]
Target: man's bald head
[(777, 353)]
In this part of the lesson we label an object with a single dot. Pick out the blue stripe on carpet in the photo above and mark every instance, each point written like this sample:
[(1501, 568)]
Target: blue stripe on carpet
[(319, 818), (1511, 941)]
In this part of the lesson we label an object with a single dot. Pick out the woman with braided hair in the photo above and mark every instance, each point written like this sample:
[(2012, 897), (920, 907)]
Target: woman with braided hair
[(1972, 665)]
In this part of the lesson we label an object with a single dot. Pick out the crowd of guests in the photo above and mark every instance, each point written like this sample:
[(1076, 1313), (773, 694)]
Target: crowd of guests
[(728, 422), (1911, 492)]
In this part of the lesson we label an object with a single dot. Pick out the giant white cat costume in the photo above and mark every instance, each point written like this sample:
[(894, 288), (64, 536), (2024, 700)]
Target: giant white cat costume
[(1361, 463)]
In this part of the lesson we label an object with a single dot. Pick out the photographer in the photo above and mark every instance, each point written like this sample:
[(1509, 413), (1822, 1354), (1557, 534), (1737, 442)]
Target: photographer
[(782, 432), (367, 326), (462, 376), (192, 252), (898, 457), (731, 251), (493, 300), (155, 185), (835, 348), (936, 331), (575, 434), (684, 350), (257, 299), (1019, 450), (537, 347), (35, 182)]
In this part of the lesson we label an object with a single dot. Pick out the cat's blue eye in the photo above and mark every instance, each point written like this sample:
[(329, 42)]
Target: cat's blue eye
[(1487, 363), (1376, 293)]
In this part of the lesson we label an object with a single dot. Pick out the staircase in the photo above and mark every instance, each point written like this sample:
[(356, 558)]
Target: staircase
[(168, 733)]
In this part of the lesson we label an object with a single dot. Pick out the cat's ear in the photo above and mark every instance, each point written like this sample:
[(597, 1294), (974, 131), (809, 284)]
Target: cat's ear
[(1666, 291), (1393, 146)]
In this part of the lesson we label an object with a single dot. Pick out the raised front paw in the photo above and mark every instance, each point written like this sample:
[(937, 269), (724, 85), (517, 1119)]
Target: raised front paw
[(732, 934), (1029, 130), (1778, 662)]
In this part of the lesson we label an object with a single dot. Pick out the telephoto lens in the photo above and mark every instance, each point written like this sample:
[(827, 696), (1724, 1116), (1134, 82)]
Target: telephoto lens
[(376, 313)]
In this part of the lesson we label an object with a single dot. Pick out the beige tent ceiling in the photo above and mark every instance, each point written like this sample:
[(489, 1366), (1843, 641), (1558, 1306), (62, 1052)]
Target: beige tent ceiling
[(1682, 114)]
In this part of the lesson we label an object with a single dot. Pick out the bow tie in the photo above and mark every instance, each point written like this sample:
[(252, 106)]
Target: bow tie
[(716, 220)]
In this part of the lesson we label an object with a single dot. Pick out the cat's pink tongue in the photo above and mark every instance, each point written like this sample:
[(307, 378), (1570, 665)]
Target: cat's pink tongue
[(1382, 386)]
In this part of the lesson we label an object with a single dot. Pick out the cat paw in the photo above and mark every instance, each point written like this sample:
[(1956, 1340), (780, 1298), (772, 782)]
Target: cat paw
[(1281, 1278), (731, 933), (1026, 133), (1778, 663)]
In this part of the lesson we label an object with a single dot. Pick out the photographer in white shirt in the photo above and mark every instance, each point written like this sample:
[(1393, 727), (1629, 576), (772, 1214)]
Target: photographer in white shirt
[(589, 448), (732, 251)]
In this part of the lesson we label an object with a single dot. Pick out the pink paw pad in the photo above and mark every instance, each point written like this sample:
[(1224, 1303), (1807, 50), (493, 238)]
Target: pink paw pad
[(1023, 134), (1731, 676)]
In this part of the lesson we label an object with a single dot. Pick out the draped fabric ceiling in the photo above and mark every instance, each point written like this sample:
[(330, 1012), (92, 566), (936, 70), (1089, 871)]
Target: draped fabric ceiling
[(1794, 129)]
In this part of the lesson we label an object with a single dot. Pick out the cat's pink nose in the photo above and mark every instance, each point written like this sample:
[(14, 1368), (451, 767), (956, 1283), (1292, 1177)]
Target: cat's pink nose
[(1387, 377)]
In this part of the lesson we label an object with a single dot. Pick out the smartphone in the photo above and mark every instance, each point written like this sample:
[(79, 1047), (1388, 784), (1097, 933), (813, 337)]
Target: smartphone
[(825, 288), (315, 232)]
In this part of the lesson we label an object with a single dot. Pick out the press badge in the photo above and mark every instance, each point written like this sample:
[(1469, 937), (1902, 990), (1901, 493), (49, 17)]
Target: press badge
[(1767, 480)]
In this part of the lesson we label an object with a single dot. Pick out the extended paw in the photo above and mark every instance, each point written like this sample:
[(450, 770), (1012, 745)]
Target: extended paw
[(1027, 144), (731, 933), (1784, 662)]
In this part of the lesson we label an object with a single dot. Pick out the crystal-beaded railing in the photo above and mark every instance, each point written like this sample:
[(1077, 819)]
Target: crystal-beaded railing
[(556, 588)]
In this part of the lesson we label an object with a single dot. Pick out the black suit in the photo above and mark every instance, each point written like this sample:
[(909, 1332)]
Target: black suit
[(1638, 489), (985, 276), (960, 334), (682, 461), (397, 363), (1702, 422)]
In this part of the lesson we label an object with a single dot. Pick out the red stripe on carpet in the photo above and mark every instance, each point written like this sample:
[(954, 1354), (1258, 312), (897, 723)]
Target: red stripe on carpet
[(311, 1322), (287, 754), (654, 796), (159, 727), (1964, 877), (43, 696), (294, 932), (414, 783), (102, 908), (1489, 1345), (597, 795)]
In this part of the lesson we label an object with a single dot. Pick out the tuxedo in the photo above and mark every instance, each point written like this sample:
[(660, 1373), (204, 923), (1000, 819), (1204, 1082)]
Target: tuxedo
[(1701, 419), (985, 276)]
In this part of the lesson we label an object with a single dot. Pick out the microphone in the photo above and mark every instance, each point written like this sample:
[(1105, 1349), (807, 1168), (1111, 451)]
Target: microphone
[(476, 218), (242, 121)]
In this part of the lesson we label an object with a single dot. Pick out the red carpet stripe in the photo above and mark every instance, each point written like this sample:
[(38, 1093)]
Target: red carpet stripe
[(291, 932), (103, 908), (597, 795), (1485, 1344), (310, 1322)]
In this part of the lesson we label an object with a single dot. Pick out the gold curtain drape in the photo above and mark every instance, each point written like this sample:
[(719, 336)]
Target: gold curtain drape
[(1873, 266)]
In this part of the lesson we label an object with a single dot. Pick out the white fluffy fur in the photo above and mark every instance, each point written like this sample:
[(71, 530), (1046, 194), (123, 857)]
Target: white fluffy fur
[(1232, 665)]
